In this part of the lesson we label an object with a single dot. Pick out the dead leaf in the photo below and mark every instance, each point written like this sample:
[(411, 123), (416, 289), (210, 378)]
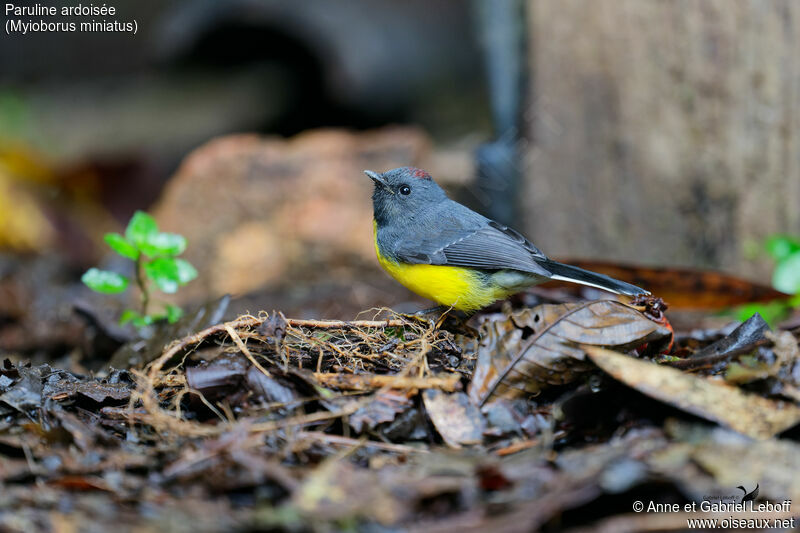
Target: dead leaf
[(455, 417), (781, 366), (273, 329), (95, 390), (537, 347), (709, 398), (748, 370), (83, 435), (226, 370), (384, 407), (743, 339), (79, 483), (25, 395), (270, 388), (787, 351), (752, 330)]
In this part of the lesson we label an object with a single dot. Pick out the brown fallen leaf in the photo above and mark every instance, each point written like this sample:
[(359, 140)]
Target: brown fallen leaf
[(273, 329), (455, 417), (537, 347), (712, 399), (84, 435), (226, 370), (686, 288), (384, 406), (95, 390), (271, 389)]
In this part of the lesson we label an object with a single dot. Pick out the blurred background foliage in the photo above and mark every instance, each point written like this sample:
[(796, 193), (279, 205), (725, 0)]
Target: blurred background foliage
[(104, 119)]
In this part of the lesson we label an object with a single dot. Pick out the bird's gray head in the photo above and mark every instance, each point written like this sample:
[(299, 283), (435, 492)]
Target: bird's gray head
[(403, 193)]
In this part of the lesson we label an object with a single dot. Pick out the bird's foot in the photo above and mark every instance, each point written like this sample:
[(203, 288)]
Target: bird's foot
[(437, 316), (433, 316)]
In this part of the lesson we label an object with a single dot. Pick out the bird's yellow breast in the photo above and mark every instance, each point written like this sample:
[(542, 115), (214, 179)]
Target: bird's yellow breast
[(461, 288)]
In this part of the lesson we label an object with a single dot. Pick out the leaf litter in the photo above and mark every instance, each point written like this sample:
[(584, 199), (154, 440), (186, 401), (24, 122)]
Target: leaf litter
[(537, 347), (270, 422)]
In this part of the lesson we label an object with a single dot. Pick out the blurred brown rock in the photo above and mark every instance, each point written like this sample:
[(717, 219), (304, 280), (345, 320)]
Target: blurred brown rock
[(265, 212)]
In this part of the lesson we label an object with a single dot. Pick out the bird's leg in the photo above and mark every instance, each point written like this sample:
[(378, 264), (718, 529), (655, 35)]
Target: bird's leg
[(437, 310), (433, 316), (436, 317)]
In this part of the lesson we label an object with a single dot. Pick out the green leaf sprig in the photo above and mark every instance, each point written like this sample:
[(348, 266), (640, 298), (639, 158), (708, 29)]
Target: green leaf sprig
[(785, 251), (154, 254)]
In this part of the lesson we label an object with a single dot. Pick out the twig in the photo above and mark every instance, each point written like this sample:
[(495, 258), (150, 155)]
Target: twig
[(323, 324), (516, 447), (156, 365), (170, 380), (245, 351), (146, 392), (336, 439), (266, 427), (393, 381)]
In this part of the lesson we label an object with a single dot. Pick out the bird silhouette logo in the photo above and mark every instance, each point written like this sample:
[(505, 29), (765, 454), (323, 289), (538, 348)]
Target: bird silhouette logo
[(748, 496)]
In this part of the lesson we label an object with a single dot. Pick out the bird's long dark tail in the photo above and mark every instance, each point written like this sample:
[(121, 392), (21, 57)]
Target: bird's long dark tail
[(564, 272)]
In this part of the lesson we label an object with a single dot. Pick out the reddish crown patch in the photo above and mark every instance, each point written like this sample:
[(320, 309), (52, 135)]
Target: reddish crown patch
[(420, 174)]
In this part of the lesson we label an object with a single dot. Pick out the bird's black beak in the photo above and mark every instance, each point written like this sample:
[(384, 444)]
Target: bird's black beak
[(378, 179)]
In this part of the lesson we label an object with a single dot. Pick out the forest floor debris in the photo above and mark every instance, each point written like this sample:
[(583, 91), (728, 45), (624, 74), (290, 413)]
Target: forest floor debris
[(267, 422)]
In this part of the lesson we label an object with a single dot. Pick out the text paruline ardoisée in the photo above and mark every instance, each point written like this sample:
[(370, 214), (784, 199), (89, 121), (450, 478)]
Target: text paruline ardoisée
[(41, 10)]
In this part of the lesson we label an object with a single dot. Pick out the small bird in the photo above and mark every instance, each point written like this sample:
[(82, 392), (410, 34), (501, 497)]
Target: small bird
[(450, 254)]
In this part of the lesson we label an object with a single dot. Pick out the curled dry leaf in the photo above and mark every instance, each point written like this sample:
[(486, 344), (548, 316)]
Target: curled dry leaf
[(709, 398), (455, 417), (537, 347), (746, 337)]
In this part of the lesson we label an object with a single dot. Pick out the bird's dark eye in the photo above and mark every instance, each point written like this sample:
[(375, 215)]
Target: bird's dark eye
[(405, 190)]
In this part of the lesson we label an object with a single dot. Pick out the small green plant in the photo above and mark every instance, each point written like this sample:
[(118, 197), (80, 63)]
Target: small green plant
[(156, 262), (785, 250)]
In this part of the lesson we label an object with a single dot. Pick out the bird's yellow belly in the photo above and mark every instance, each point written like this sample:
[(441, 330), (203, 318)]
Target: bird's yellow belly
[(461, 288)]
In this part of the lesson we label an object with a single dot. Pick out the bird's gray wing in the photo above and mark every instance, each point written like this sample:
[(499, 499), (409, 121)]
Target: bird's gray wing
[(492, 246)]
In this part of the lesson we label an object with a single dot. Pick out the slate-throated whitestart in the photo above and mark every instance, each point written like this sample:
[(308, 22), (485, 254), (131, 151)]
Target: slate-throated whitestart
[(454, 256)]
